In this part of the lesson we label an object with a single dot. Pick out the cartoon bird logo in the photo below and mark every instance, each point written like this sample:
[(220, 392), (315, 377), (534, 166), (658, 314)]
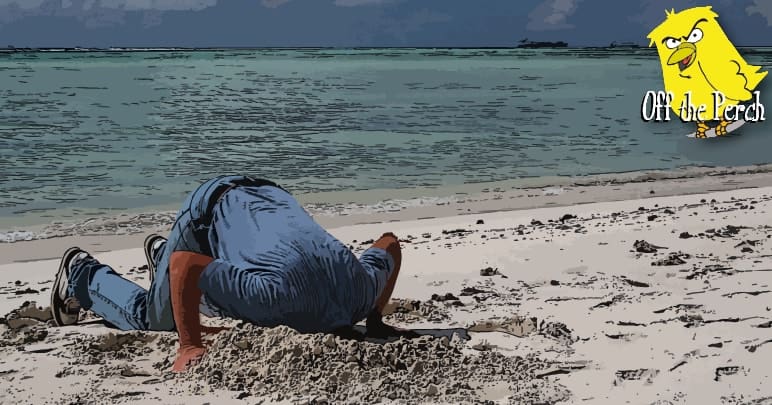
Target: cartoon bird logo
[(697, 57)]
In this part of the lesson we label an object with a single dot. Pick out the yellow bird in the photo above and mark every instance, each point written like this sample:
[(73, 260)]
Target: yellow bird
[(697, 57)]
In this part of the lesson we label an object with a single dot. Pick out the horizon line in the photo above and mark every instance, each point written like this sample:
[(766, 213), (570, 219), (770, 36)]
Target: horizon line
[(621, 45)]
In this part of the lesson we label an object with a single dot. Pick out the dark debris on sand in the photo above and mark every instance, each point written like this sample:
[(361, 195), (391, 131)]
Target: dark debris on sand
[(457, 232), (558, 331), (443, 298), (490, 272), (729, 231), (635, 283), (567, 217), (472, 291), (644, 374), (411, 311), (26, 291), (673, 259), (641, 246), (725, 371), (708, 270)]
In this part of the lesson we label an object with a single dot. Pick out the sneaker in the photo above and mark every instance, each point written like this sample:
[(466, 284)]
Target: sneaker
[(153, 244), (64, 308)]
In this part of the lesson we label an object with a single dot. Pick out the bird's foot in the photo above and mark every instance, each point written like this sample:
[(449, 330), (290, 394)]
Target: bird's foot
[(702, 128), (721, 128)]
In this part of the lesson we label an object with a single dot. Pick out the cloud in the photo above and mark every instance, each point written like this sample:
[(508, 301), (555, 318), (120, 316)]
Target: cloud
[(98, 13), (652, 12), (273, 3), (552, 15), (23, 5), (128, 5), (353, 3), (762, 7), (157, 5), (341, 3)]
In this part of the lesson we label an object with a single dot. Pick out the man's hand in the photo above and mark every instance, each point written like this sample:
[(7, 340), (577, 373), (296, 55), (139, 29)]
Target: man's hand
[(375, 328), (187, 357)]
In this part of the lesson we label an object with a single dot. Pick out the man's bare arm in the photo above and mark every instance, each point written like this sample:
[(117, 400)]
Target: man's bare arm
[(185, 269)]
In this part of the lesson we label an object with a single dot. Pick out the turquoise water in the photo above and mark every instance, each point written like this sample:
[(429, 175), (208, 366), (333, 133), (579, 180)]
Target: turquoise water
[(103, 132)]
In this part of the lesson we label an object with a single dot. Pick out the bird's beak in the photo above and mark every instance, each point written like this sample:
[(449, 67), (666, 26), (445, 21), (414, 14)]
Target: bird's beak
[(683, 56)]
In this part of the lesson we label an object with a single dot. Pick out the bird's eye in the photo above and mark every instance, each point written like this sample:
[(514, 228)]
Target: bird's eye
[(672, 43), (695, 36)]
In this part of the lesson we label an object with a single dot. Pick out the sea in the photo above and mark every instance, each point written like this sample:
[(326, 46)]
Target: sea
[(90, 134)]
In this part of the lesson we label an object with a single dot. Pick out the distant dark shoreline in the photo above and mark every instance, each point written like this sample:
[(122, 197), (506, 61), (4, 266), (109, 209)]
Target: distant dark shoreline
[(311, 48)]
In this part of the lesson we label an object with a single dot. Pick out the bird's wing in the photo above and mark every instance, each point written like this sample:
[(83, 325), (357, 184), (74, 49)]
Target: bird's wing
[(727, 77)]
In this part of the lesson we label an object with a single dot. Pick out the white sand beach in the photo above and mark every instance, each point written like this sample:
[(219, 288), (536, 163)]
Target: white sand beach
[(659, 295)]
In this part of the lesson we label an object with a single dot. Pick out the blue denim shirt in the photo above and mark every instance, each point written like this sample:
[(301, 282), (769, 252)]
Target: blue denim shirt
[(274, 265)]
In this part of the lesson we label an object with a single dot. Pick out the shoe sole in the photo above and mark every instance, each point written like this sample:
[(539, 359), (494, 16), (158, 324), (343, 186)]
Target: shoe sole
[(56, 301), (148, 244)]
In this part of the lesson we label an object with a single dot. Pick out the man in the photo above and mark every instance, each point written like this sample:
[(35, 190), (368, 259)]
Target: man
[(242, 248)]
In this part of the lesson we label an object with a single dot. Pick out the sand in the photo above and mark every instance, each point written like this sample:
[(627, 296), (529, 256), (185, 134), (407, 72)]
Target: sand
[(657, 300)]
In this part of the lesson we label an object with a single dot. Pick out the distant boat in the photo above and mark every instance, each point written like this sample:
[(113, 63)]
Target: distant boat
[(525, 43), (624, 45), (13, 49)]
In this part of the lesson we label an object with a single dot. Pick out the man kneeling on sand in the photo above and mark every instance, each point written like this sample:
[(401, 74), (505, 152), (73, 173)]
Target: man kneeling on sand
[(241, 248)]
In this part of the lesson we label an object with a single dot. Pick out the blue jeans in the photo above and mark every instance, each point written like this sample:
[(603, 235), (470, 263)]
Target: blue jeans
[(273, 265)]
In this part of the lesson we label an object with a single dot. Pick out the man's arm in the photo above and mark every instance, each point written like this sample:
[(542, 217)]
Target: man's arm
[(185, 269)]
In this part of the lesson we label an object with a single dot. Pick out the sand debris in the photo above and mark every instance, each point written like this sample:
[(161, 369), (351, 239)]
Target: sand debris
[(764, 325), (729, 231), (751, 293), (635, 283), (471, 291), (24, 325), (645, 374), (613, 301), (410, 311), (443, 298), (673, 259), (489, 272), (641, 246), (725, 371), (558, 331), (515, 326), (710, 269), (680, 308)]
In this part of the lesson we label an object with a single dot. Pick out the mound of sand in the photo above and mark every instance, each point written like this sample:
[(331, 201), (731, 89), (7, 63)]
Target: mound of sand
[(24, 325), (281, 363)]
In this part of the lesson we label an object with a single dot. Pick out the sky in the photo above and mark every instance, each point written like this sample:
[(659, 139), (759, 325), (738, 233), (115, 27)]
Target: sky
[(356, 23)]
